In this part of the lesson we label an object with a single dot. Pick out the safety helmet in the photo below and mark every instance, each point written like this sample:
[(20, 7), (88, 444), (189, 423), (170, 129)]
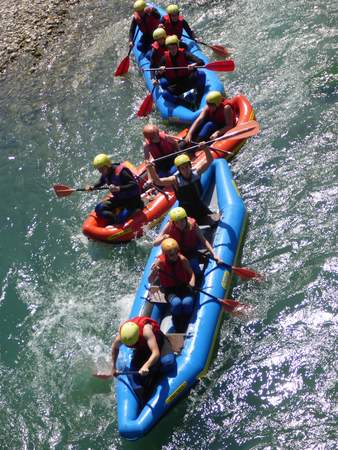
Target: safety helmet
[(214, 97), (181, 159), (150, 130), (172, 40), (177, 214), (101, 160), (129, 333), (159, 33), (169, 244), (173, 9), (139, 5)]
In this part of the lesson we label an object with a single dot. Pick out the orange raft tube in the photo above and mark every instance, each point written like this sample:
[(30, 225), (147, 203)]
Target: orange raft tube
[(156, 206)]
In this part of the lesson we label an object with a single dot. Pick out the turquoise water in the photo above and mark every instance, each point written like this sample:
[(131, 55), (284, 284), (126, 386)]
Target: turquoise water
[(272, 384)]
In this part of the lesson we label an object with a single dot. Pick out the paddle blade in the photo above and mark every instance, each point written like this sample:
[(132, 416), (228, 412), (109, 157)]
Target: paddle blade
[(234, 307), (244, 130), (247, 274), (219, 50), (146, 106), (62, 191), (123, 67), (221, 66)]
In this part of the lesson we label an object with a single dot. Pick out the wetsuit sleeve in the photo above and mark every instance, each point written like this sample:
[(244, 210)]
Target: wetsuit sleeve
[(132, 29), (193, 59), (127, 180), (187, 29), (100, 183)]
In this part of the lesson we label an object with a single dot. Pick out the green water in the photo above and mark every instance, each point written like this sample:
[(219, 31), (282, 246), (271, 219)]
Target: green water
[(272, 384)]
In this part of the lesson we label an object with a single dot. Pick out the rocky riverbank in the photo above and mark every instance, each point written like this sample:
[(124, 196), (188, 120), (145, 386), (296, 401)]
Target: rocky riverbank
[(28, 27)]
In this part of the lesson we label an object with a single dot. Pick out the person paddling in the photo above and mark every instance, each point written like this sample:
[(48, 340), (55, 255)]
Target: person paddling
[(175, 82), (126, 194), (152, 352), (187, 185), (189, 237), (176, 278), (157, 143), (147, 18), (174, 23), (216, 118)]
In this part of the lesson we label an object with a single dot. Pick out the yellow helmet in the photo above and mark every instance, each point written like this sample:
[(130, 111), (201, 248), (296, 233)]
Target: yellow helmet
[(139, 5), (181, 159), (101, 160), (177, 214), (172, 40), (214, 97), (159, 33), (169, 244), (129, 333), (173, 9)]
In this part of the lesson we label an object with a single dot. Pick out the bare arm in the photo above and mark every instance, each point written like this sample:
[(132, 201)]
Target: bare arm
[(206, 244), (163, 235), (167, 181), (228, 123), (195, 125), (188, 268), (153, 347), (115, 348), (154, 273), (204, 164)]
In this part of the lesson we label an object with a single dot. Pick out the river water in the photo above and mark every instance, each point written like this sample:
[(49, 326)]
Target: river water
[(272, 383)]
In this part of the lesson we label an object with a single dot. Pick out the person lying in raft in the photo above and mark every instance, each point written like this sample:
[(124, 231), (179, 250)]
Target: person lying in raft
[(152, 353), (175, 82), (216, 118), (176, 278), (187, 186), (174, 23), (189, 237), (157, 144), (122, 184), (147, 18)]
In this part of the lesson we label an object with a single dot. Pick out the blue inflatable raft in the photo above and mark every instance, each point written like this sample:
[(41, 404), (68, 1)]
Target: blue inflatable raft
[(193, 360), (169, 111)]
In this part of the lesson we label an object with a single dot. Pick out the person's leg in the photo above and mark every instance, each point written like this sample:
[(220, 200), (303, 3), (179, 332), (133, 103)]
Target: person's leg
[(167, 93), (106, 210), (206, 131), (167, 358), (187, 305)]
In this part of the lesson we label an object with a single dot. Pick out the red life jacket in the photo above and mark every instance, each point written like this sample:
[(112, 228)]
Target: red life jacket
[(141, 322), (187, 239), (148, 23), (159, 52), (173, 27), (162, 148), (181, 61), (177, 273), (217, 116)]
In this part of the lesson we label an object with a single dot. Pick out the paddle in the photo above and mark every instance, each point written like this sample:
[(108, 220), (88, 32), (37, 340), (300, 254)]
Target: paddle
[(63, 191), (216, 66), (123, 67), (217, 48), (229, 305), (108, 376), (244, 130), (146, 105), (242, 272)]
